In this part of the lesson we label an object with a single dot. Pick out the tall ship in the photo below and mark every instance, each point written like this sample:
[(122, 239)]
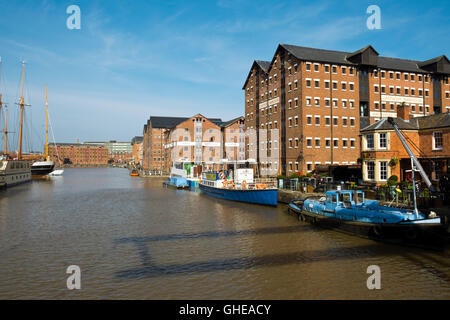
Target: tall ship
[(14, 171), (43, 168)]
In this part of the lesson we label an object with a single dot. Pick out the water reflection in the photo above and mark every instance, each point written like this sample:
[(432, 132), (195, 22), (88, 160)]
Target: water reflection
[(133, 238)]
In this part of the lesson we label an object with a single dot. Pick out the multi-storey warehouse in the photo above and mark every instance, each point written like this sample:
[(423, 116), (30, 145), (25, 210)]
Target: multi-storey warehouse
[(313, 102)]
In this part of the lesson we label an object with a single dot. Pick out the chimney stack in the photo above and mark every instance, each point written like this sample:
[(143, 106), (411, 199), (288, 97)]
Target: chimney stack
[(403, 111)]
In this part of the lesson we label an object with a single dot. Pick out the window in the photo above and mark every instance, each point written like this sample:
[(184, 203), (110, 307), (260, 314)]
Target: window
[(317, 120), (335, 121), (327, 120), (309, 120), (308, 66), (344, 70), (437, 140), (309, 142), (369, 141), (334, 69), (317, 140), (327, 84), (370, 170), (308, 101), (327, 142), (308, 83), (327, 68), (344, 86), (316, 84), (352, 86), (383, 140), (336, 143), (344, 143), (383, 170), (316, 67)]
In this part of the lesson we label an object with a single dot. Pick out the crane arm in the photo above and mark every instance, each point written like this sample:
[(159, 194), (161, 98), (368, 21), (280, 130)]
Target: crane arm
[(411, 154)]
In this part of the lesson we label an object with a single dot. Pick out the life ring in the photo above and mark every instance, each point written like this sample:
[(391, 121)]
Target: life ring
[(221, 175), (231, 184), (244, 184), (225, 183)]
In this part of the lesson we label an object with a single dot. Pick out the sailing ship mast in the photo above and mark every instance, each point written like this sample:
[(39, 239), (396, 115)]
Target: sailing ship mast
[(46, 126), (19, 157), (6, 115)]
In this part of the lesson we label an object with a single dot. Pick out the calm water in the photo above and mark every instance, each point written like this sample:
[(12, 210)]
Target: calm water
[(134, 239)]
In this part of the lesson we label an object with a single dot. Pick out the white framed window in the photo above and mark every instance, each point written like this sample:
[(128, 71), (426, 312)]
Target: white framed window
[(437, 140), (383, 170), (382, 140), (317, 101), (369, 141), (370, 170), (308, 66)]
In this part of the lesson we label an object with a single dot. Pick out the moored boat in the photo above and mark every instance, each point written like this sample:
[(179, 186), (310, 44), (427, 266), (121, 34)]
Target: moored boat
[(14, 172), (349, 211), (240, 187), (42, 168), (134, 173)]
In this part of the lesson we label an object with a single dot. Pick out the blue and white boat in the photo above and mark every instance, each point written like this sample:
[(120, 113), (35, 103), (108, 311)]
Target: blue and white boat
[(183, 175), (240, 187), (350, 211)]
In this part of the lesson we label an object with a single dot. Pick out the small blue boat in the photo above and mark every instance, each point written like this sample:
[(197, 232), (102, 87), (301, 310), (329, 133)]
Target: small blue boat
[(177, 182), (350, 211), (242, 187)]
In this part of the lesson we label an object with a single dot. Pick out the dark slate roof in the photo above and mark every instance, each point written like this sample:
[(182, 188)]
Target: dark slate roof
[(434, 121), (166, 122), (361, 50), (399, 64), (137, 139), (170, 122), (230, 122), (439, 120), (383, 124), (340, 57), (434, 60), (319, 55), (263, 65)]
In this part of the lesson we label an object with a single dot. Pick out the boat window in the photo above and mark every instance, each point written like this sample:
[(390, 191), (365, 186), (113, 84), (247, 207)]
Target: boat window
[(329, 198), (360, 197), (343, 197)]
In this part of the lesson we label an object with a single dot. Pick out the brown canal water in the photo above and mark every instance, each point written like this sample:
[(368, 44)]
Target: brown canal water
[(134, 239)]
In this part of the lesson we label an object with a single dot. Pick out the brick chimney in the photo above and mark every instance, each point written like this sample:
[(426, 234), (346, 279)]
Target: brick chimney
[(403, 111)]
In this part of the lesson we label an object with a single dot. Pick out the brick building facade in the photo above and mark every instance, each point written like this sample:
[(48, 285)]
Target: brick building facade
[(428, 137), (196, 139), (313, 102), (79, 154)]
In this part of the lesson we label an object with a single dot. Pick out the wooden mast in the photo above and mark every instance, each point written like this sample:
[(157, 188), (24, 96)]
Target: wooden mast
[(19, 157), (6, 115), (46, 125)]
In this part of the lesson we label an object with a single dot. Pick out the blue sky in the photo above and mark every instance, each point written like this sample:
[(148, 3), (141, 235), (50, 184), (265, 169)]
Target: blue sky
[(132, 59)]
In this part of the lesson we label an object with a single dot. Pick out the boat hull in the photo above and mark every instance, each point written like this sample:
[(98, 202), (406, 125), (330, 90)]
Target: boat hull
[(428, 234), (42, 168), (265, 196)]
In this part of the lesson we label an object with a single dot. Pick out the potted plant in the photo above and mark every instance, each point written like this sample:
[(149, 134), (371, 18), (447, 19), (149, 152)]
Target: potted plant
[(393, 162)]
